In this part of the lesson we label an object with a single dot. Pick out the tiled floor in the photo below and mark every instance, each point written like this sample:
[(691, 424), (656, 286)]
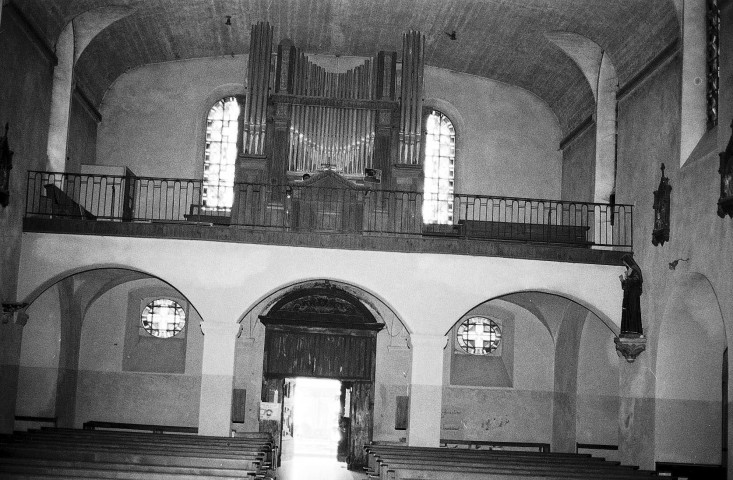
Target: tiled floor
[(303, 467), (309, 459)]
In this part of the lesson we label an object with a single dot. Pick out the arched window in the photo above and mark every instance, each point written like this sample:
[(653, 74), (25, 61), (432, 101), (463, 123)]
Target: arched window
[(440, 157), (222, 128)]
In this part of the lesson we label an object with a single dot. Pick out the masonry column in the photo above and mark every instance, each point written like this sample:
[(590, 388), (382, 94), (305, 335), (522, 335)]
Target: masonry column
[(426, 390), (217, 377), (11, 335), (636, 412)]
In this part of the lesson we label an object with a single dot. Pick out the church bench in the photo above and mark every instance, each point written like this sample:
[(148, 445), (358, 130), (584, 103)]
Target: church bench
[(542, 447), (388, 462), (455, 472), (139, 442), (94, 424), (525, 232), (120, 471), (184, 459)]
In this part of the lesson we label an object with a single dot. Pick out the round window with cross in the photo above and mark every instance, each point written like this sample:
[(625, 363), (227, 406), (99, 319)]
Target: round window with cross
[(479, 336)]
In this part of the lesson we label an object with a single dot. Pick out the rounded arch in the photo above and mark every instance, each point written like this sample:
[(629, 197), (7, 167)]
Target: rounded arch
[(134, 273), (690, 350), (378, 307), (535, 309)]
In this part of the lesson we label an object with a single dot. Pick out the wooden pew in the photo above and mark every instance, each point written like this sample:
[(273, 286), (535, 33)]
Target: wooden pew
[(69, 453), (391, 462)]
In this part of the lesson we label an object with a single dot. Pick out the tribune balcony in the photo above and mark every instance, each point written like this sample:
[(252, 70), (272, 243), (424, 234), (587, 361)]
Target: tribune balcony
[(361, 217)]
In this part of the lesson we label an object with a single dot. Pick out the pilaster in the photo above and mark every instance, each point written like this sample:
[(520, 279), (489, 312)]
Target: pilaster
[(426, 390), (217, 377)]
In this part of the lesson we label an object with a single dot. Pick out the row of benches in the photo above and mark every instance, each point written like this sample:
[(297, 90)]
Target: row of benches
[(56, 453), (400, 462)]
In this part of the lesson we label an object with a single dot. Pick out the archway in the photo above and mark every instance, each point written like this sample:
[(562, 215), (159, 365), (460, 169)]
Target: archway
[(86, 356), (690, 354), (300, 313)]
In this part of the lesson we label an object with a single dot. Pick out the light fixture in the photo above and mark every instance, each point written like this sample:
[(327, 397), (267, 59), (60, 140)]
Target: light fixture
[(673, 263), (228, 20)]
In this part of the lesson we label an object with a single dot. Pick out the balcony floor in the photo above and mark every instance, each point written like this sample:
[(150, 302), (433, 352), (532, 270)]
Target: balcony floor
[(389, 243)]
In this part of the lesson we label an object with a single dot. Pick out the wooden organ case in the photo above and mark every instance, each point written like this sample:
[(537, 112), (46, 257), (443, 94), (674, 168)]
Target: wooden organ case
[(301, 121)]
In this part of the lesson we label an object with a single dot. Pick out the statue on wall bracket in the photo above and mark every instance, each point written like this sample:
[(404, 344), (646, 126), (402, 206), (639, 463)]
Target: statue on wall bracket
[(660, 234), (6, 164), (631, 342), (725, 202)]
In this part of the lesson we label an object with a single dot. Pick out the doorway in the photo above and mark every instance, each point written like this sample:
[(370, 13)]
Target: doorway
[(311, 414), (320, 333)]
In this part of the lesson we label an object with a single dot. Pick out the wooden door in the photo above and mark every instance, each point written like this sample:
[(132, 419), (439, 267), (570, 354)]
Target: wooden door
[(362, 413)]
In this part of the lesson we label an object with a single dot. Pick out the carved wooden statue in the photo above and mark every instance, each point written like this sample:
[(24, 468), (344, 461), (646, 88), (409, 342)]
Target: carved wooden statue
[(725, 203), (631, 282), (660, 234), (6, 164)]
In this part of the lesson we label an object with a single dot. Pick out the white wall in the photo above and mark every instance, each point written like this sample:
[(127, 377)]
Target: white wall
[(230, 278), (154, 122)]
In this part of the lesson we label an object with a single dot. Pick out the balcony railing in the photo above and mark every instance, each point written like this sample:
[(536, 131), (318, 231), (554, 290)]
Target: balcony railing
[(330, 210)]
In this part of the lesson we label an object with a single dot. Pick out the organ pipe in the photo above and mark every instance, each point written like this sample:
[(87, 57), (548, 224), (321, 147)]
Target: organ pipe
[(258, 82), (413, 65)]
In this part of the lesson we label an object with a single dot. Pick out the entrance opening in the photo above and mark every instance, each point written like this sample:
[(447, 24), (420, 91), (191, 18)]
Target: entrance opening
[(312, 413)]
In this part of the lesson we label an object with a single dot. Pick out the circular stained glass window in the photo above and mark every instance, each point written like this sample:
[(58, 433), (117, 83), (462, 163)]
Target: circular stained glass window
[(163, 318), (479, 336)]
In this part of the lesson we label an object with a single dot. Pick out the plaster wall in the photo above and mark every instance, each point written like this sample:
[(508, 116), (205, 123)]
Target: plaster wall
[(507, 138), (82, 140), (520, 413), (25, 98), (696, 233), (578, 167), (231, 278), (39, 357), (154, 116), (597, 399), (106, 392), (154, 122)]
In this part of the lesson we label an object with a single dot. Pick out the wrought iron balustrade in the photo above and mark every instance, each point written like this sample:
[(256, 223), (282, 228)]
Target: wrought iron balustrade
[(360, 210)]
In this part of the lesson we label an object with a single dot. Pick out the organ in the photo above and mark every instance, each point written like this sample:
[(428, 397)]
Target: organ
[(302, 118)]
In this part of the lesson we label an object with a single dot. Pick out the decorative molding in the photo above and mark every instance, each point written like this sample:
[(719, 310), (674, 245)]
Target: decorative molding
[(630, 345), (15, 311), (663, 57)]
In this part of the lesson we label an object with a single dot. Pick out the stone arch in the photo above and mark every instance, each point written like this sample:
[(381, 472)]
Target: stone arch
[(61, 306), (578, 332), (392, 372), (689, 359)]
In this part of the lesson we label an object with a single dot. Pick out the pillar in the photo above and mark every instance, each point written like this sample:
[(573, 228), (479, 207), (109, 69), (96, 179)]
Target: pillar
[(11, 335), (426, 390), (636, 413), (217, 378)]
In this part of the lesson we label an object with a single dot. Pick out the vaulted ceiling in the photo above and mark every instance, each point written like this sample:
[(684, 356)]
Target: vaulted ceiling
[(504, 40)]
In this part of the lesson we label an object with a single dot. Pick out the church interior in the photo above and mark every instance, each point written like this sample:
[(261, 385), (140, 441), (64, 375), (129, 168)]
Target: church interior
[(486, 225)]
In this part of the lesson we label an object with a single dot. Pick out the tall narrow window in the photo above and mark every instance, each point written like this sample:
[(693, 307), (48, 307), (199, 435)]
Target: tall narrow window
[(440, 157), (222, 127)]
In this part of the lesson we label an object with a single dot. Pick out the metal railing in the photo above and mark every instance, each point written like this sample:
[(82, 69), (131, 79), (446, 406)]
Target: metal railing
[(333, 210)]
